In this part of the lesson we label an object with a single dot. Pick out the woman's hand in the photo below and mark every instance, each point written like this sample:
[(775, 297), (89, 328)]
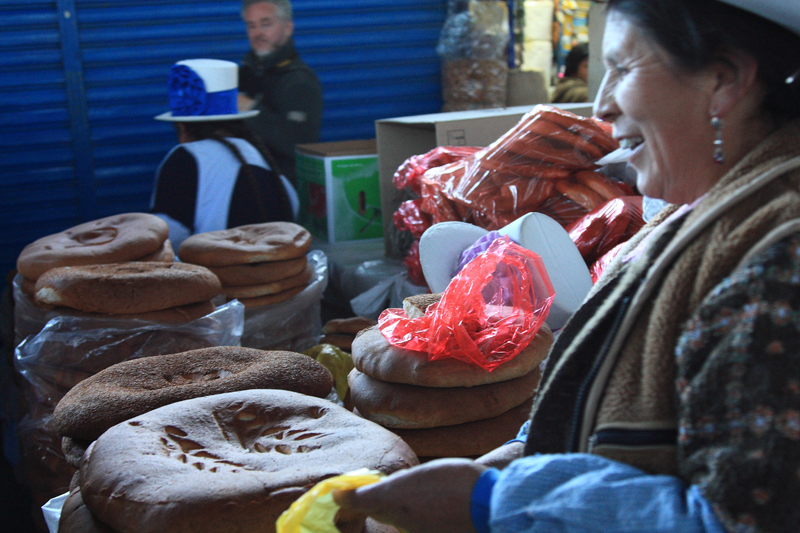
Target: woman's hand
[(502, 456), (433, 497)]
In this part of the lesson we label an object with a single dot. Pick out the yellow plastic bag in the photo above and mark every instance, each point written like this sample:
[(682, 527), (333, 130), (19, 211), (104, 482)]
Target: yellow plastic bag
[(315, 511), (340, 364)]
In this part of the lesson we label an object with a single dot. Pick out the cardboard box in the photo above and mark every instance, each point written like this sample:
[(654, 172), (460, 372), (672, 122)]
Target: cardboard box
[(400, 138), (339, 190)]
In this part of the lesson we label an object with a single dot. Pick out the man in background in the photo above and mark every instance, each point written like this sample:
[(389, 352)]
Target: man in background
[(276, 81)]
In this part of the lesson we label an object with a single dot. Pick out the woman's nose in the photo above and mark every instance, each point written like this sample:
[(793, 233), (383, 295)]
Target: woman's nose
[(604, 104)]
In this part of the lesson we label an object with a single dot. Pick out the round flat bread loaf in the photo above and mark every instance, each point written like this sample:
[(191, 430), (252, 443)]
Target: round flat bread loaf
[(259, 273), (374, 356), (114, 239), (397, 405), (230, 462), (272, 299), (126, 288), (254, 243), (76, 517), (470, 439), (165, 254), (73, 450), (275, 287), (171, 315), (133, 387), (350, 326)]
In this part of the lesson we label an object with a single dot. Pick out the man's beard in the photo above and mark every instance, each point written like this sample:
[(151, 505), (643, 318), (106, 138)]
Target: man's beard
[(263, 53)]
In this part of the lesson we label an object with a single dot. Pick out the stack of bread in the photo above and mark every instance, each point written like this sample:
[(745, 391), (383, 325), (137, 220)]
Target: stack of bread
[(258, 264), (114, 239), (445, 407), (134, 387), (122, 268), (161, 292), (212, 440)]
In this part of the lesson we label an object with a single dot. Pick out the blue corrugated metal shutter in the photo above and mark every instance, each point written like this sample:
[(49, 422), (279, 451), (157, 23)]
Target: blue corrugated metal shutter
[(81, 80)]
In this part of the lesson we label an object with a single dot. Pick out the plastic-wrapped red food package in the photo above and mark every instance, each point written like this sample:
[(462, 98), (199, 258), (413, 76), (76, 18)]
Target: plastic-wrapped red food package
[(414, 266), (596, 269), (606, 226), (409, 173), (410, 217), (546, 163), (490, 311)]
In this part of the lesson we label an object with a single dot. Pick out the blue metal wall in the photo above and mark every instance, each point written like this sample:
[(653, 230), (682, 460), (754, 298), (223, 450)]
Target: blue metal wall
[(81, 80)]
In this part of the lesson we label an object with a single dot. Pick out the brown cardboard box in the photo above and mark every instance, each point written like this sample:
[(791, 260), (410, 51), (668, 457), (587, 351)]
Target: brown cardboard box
[(400, 138)]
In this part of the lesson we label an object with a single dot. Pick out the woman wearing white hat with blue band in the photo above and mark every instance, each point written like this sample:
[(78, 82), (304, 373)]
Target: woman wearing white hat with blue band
[(671, 399), (219, 176)]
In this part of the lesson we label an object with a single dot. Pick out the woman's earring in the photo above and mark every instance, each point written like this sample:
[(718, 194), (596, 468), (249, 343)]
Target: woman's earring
[(719, 155)]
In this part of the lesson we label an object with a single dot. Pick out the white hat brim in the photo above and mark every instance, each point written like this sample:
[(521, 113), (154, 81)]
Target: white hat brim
[(441, 246), (782, 12), (206, 118)]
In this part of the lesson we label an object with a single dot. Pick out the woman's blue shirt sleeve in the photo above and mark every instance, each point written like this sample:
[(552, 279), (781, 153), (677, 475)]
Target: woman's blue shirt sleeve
[(577, 493)]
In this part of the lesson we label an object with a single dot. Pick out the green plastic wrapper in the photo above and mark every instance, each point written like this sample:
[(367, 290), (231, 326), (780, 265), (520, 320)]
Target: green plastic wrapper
[(315, 511)]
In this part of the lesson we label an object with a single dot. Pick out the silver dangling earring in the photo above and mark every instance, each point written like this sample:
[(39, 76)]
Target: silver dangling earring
[(719, 155)]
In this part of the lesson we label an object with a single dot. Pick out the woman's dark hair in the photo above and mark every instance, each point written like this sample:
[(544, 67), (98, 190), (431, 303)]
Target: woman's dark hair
[(218, 131), (698, 32), (578, 54)]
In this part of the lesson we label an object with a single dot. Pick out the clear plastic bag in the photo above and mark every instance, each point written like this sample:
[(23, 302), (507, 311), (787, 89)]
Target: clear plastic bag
[(489, 312), (69, 349), (294, 324), (546, 163), (475, 29), (473, 46), (409, 173)]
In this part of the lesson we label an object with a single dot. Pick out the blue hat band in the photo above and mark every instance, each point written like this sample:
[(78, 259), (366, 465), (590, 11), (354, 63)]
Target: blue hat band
[(188, 96)]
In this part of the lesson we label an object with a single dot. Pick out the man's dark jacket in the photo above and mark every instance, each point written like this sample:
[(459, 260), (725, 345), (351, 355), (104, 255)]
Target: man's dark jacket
[(289, 98)]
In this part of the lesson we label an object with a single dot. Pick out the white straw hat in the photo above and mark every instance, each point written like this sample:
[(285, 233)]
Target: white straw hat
[(202, 90), (442, 245)]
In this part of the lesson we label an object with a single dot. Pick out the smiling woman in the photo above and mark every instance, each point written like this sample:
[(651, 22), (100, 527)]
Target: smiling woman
[(674, 93), (670, 399)]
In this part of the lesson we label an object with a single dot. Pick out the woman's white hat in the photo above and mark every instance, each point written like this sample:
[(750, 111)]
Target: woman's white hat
[(441, 246), (203, 89), (785, 13)]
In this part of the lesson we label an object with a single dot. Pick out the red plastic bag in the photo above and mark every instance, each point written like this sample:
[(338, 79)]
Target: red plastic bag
[(597, 268), (605, 227), (414, 266), (410, 217), (545, 164), (409, 173), (488, 314)]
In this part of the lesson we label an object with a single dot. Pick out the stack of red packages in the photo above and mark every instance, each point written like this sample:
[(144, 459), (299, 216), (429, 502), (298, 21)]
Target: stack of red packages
[(546, 164), (410, 216), (599, 234)]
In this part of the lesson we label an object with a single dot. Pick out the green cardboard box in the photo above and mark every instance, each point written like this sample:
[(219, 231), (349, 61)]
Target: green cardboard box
[(339, 190)]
